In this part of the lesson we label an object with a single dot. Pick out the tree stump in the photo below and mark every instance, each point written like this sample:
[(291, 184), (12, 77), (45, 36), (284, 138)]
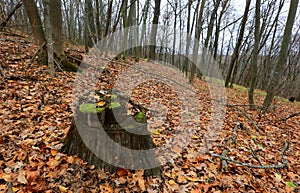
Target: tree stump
[(100, 135)]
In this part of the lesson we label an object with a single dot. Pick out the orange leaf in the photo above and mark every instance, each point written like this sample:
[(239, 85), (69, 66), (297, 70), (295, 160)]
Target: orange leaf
[(101, 103), (122, 172), (54, 152), (47, 108), (196, 191)]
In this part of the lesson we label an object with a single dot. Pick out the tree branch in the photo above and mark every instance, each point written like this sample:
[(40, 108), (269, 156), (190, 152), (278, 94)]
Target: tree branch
[(4, 23), (284, 164)]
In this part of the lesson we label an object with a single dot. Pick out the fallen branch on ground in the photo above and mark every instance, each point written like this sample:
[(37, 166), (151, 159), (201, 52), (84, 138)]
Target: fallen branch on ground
[(291, 116), (284, 164), (247, 116), (2, 71)]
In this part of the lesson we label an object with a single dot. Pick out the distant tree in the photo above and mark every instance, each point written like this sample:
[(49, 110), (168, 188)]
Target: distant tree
[(253, 67), (36, 27), (238, 43), (196, 40), (154, 29), (283, 55), (56, 26), (89, 28), (48, 30)]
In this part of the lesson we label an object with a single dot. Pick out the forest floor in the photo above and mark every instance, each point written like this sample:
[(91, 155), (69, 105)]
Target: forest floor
[(36, 113)]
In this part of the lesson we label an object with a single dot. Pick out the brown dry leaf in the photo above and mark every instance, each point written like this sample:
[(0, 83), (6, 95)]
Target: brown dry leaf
[(32, 175), (70, 159), (106, 188), (47, 108), (181, 179), (52, 163), (141, 183), (207, 186), (54, 152), (196, 191), (6, 177), (21, 177), (122, 172), (214, 166)]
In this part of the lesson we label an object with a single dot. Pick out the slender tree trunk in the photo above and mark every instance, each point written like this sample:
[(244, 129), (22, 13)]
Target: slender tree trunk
[(36, 27), (109, 15), (174, 32), (253, 67), (282, 58), (143, 32), (50, 47), (56, 26), (196, 41), (154, 29), (90, 31), (188, 39), (218, 27), (238, 44)]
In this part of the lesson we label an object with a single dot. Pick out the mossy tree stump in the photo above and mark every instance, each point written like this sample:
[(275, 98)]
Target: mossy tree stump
[(98, 135)]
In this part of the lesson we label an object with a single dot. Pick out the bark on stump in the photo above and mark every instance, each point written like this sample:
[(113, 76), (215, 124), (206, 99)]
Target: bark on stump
[(101, 131)]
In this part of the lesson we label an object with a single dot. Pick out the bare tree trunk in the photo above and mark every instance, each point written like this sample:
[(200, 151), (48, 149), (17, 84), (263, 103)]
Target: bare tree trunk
[(282, 58), (36, 27), (109, 14), (196, 40), (238, 44), (225, 5), (154, 29), (90, 31), (56, 26), (174, 32), (50, 48), (143, 33), (253, 67), (211, 23), (188, 38)]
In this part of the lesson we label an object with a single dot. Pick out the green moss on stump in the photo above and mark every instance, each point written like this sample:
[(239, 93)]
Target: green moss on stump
[(140, 117), (114, 96), (68, 66), (90, 108), (114, 105)]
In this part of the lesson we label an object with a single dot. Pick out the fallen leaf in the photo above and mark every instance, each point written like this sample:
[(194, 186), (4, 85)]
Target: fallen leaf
[(21, 177), (62, 188), (172, 182), (122, 172), (196, 137), (141, 183), (181, 179), (47, 108), (101, 103), (278, 177), (156, 132), (6, 177), (192, 179)]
